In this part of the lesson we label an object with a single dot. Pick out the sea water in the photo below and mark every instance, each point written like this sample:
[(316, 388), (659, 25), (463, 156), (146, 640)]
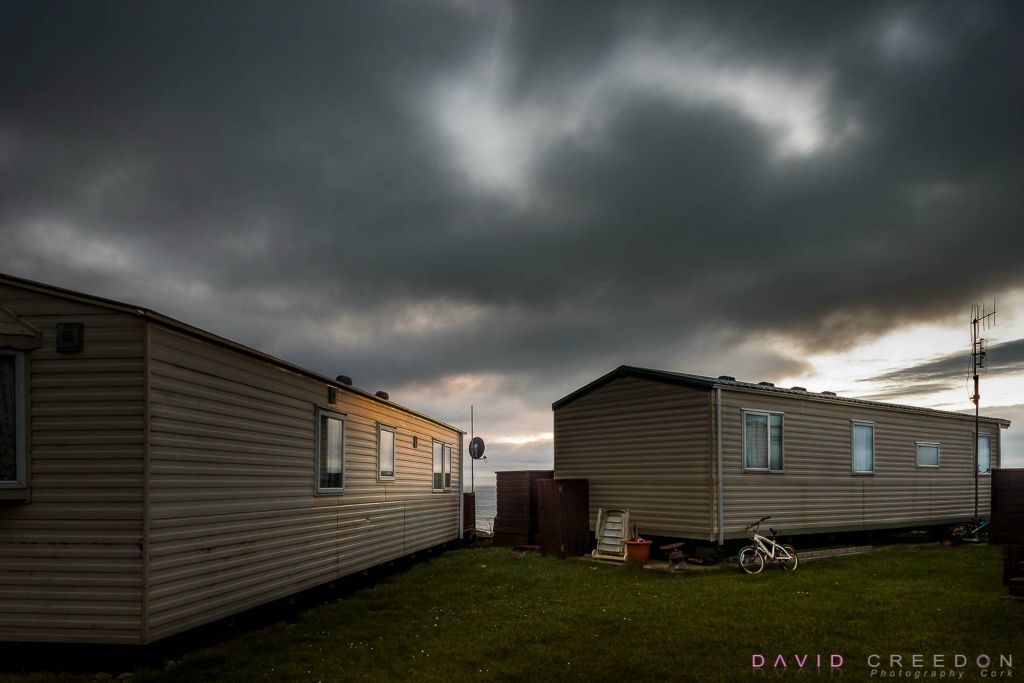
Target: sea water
[(486, 507)]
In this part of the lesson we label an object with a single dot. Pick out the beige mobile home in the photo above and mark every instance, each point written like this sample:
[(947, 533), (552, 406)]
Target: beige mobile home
[(700, 457), (155, 477)]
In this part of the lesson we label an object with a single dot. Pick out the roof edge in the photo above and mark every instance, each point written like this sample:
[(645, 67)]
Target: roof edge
[(699, 382), (191, 330), (879, 405), (631, 371)]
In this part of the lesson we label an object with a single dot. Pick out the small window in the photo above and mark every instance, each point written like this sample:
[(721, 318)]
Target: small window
[(762, 441), (927, 454), (330, 452), (385, 453), (438, 483), (447, 467), (12, 420), (863, 448), (984, 455)]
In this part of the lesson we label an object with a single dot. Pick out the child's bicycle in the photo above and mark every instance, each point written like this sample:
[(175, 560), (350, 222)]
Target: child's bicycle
[(969, 532), (752, 558)]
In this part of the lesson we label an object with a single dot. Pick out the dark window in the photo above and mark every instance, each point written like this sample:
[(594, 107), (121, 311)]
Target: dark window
[(438, 466), (330, 452), (8, 418), (385, 453), (447, 465)]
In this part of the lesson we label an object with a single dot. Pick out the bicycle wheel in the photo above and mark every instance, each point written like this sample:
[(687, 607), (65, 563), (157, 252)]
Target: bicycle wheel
[(793, 560), (958, 533), (750, 559)]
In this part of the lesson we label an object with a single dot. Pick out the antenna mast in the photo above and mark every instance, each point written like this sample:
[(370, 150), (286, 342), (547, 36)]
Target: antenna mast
[(981, 320), (472, 479)]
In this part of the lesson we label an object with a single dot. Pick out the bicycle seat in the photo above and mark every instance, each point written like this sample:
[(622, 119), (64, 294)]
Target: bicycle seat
[(774, 532)]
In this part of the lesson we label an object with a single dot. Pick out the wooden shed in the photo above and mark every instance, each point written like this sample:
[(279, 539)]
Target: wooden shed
[(562, 511), (1008, 506), (155, 477), (517, 517), (700, 457)]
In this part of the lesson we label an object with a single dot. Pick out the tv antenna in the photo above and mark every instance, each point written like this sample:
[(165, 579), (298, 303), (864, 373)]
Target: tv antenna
[(981, 319)]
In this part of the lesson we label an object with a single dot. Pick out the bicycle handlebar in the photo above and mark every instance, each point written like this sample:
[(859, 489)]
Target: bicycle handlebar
[(754, 524)]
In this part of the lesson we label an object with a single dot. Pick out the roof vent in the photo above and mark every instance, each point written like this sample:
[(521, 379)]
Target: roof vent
[(382, 394), (798, 388), (728, 377), (766, 384), (829, 393), (344, 379)]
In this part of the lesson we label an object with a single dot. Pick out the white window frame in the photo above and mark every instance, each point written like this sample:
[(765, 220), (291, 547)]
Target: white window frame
[(853, 446), (20, 480), (938, 454), (394, 452), (446, 466), (341, 417), (434, 445), (987, 472), (743, 440)]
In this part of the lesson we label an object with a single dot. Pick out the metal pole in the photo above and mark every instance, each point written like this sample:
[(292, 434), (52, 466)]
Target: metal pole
[(718, 464), (977, 438), (472, 480), (981, 318), (462, 489)]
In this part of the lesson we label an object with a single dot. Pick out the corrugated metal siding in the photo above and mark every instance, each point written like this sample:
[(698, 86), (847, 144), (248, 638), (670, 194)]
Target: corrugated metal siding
[(70, 560), (817, 491), (233, 519), (643, 446)]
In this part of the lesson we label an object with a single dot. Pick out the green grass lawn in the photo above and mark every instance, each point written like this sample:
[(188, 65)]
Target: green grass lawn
[(488, 613)]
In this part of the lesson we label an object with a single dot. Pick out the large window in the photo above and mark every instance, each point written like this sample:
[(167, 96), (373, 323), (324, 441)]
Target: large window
[(12, 420), (385, 453), (438, 483), (447, 467), (984, 454), (762, 441), (863, 448), (927, 454), (330, 452)]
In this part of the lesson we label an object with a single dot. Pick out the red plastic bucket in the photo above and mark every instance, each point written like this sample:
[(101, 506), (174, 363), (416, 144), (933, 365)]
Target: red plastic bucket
[(638, 551)]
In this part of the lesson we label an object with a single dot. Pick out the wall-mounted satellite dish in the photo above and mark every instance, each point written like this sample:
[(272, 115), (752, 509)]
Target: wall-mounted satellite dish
[(476, 448)]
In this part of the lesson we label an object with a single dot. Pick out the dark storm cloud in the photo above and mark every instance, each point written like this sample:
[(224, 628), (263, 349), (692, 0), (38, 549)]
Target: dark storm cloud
[(896, 392), (671, 181), (1001, 359)]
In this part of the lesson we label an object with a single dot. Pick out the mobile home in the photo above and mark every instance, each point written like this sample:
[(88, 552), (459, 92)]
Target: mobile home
[(700, 457), (155, 477)]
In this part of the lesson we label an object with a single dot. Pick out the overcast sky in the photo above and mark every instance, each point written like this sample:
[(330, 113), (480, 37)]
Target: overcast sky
[(494, 203)]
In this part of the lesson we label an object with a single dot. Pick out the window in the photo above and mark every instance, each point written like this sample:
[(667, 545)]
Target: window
[(927, 454), (762, 441), (984, 455), (863, 448), (447, 467), (12, 420), (330, 452), (438, 466), (385, 453)]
